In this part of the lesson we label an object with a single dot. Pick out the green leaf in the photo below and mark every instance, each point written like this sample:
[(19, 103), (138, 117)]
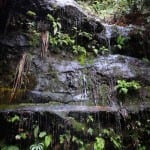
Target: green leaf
[(90, 119), (42, 134), (90, 131), (123, 90), (50, 18), (119, 46), (99, 144), (48, 140), (14, 119), (37, 146), (23, 135), (31, 13), (36, 131), (55, 30), (74, 139), (106, 131), (59, 25), (61, 139)]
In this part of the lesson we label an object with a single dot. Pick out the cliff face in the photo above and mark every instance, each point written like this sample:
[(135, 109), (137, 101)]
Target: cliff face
[(74, 88), (77, 82)]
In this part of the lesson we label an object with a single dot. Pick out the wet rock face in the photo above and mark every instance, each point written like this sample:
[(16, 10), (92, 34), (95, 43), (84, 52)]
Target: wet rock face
[(68, 81), (14, 41)]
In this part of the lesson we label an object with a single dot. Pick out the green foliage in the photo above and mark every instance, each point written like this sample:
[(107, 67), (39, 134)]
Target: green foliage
[(146, 60), (37, 146), (90, 119), (31, 13), (50, 18), (97, 6), (135, 5), (107, 8), (141, 147), (103, 50), (137, 131), (120, 41), (55, 23), (42, 134), (82, 59), (90, 131), (113, 137), (33, 34), (45, 140), (102, 5), (36, 132), (99, 143), (60, 40), (22, 135), (85, 34), (77, 49), (12, 147), (65, 137), (78, 141), (14, 119), (123, 86)]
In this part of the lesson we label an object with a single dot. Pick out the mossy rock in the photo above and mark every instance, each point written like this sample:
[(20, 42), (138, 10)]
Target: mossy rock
[(103, 92)]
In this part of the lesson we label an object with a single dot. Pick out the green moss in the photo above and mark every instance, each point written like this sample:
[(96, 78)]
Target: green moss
[(103, 92)]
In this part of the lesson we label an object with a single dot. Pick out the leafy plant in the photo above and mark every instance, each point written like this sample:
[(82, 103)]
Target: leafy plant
[(113, 137), (68, 138), (82, 59), (90, 131), (85, 34), (123, 86), (77, 49), (11, 147), (60, 40), (120, 41), (78, 141), (13, 119), (65, 137), (22, 135), (97, 6), (90, 119), (37, 146), (31, 13), (42, 140), (33, 34), (99, 143), (103, 50), (55, 23)]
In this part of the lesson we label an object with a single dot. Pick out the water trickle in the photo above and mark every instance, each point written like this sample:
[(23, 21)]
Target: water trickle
[(84, 88)]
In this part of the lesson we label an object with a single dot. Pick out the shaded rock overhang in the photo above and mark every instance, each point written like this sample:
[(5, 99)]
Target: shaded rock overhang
[(69, 12)]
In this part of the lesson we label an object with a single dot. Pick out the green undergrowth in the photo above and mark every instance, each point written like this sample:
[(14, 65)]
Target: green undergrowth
[(111, 9), (81, 134)]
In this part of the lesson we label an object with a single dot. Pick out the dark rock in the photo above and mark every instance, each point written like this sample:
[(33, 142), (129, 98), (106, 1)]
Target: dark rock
[(69, 12), (14, 40)]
